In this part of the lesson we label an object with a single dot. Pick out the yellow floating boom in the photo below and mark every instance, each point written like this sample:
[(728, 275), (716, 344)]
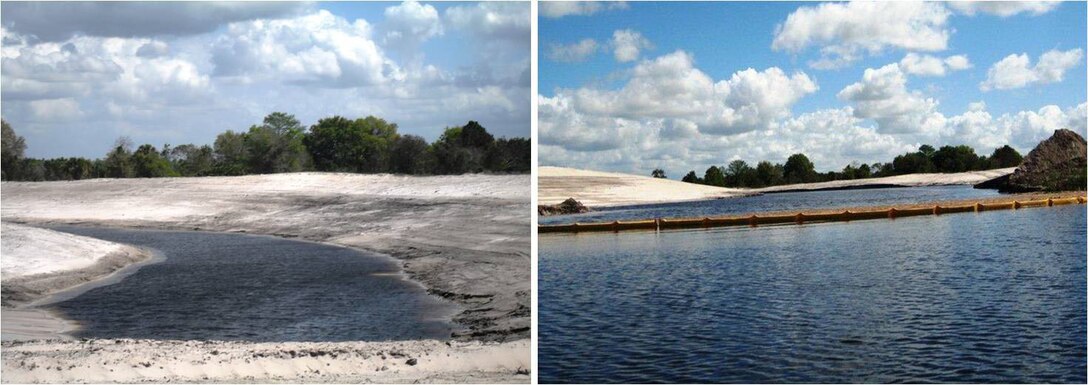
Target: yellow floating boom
[(802, 218)]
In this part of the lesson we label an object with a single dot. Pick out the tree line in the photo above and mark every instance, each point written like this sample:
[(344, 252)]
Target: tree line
[(799, 169), (282, 144)]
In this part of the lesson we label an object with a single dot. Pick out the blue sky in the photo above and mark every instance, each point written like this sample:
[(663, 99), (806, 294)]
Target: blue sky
[(721, 39), (76, 76)]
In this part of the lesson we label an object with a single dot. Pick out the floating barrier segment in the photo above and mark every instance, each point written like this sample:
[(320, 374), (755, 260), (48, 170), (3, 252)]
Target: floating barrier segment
[(802, 218)]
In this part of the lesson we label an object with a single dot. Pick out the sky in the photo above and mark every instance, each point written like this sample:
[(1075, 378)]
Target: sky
[(76, 76), (629, 87)]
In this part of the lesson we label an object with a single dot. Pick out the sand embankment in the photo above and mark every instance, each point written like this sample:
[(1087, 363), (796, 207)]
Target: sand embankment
[(463, 237), (603, 189), (38, 262), (910, 180), (128, 361)]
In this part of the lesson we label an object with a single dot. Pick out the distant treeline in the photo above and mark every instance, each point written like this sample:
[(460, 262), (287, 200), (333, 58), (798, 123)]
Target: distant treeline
[(282, 144), (799, 169)]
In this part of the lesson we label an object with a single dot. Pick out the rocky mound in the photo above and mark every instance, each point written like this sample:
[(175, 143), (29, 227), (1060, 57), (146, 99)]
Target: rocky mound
[(1057, 164), (569, 206)]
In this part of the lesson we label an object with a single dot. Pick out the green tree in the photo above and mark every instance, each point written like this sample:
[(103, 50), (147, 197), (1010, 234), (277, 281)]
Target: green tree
[(1005, 156), (410, 155), (714, 176), (692, 178), (864, 171), (768, 174), (658, 173), (739, 174), (190, 160), (955, 159), (799, 169), (509, 155), (119, 160), (147, 162), (362, 145), (230, 154), (12, 148)]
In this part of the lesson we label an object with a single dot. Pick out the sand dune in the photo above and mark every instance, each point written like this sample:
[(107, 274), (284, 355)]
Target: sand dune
[(910, 180), (603, 189)]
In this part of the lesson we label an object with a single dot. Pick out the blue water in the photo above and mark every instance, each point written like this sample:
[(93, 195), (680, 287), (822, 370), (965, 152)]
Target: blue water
[(988, 297), (775, 202), (219, 286)]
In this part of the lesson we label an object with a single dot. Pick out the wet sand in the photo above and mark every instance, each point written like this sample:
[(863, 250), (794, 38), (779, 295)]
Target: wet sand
[(126, 361)]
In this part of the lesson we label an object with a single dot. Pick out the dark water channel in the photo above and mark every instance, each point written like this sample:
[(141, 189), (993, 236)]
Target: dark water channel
[(220, 286)]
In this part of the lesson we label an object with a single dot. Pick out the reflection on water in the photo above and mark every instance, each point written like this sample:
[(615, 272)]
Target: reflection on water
[(217, 286), (990, 297), (775, 202)]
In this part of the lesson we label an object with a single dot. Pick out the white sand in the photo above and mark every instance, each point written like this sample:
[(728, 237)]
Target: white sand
[(463, 237), (128, 361), (28, 250), (910, 180), (603, 189)]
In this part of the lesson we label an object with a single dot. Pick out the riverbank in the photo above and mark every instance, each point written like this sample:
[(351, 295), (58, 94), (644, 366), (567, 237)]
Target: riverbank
[(603, 189), (39, 262), (909, 180), (465, 238), (838, 214), (127, 361), (606, 189)]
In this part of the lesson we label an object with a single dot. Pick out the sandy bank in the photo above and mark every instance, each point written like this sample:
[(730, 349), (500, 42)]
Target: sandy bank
[(602, 189), (463, 237), (97, 361), (911, 180), (37, 262)]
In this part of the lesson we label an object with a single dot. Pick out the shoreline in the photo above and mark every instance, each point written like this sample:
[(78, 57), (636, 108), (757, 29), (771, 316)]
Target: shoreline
[(845, 214), (112, 360), (40, 336), (597, 189), (465, 238), (153, 256)]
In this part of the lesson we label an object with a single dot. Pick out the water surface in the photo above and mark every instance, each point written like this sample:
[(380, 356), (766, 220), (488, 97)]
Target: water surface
[(988, 297), (790, 201), (220, 286)]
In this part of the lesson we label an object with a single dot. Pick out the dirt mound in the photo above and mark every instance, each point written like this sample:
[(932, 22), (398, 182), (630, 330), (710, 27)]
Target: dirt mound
[(1056, 164), (569, 206)]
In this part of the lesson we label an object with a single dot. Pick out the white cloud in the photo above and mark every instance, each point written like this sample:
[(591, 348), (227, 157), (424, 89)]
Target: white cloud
[(189, 88), (671, 87), (843, 31), (58, 21), (628, 44), (882, 95), (927, 65), (56, 110), (493, 20), (1004, 8), (319, 48), (575, 52), (408, 25), (1016, 71), (557, 9)]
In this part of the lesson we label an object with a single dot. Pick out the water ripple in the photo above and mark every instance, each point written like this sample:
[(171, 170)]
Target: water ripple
[(994, 297)]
